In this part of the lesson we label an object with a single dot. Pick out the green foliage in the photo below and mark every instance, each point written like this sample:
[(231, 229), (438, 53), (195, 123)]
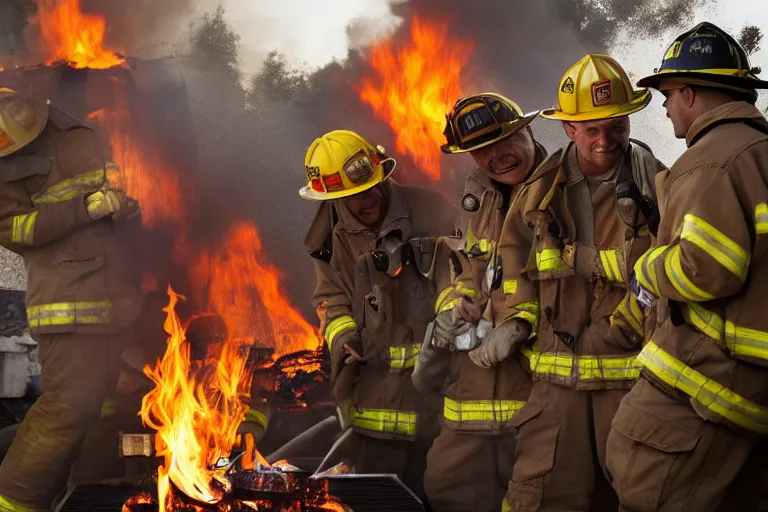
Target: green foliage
[(277, 80), (215, 44)]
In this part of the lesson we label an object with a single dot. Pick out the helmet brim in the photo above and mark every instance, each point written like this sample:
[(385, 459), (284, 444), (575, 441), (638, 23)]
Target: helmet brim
[(508, 129), (714, 79), (640, 100), (388, 166)]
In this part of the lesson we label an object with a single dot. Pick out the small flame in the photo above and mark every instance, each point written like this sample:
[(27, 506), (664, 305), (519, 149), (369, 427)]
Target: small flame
[(75, 37), (415, 87), (244, 288), (141, 174), (194, 411)]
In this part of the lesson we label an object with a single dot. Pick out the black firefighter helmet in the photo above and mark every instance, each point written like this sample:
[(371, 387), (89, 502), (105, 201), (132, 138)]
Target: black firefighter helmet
[(707, 55)]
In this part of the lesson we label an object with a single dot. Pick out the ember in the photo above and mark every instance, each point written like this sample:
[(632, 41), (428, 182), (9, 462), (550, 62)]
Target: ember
[(416, 85), (75, 37)]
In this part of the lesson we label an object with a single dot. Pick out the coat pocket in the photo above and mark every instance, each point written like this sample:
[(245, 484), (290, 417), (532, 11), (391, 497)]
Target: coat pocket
[(645, 453), (536, 444)]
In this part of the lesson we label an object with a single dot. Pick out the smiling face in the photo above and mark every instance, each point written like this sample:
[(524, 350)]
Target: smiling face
[(600, 144), (367, 207), (508, 161)]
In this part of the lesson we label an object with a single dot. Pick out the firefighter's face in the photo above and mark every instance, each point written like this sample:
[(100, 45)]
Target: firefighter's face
[(367, 207), (600, 143), (676, 101), (508, 161)]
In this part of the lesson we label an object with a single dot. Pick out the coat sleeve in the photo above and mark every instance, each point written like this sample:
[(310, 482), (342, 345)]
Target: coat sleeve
[(711, 246), (332, 304), (518, 298), (54, 214)]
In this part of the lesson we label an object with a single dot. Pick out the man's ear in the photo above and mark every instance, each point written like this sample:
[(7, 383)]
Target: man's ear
[(569, 128), (689, 96)]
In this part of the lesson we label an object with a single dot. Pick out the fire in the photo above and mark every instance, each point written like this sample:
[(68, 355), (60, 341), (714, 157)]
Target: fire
[(75, 37), (415, 87), (142, 174), (195, 413), (244, 288)]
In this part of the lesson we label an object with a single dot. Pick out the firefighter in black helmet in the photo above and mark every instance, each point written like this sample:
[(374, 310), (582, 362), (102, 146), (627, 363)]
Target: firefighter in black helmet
[(689, 425)]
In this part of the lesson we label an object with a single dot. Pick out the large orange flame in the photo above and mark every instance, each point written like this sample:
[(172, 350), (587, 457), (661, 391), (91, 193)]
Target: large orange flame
[(73, 36), (415, 87), (244, 288), (195, 412), (142, 174)]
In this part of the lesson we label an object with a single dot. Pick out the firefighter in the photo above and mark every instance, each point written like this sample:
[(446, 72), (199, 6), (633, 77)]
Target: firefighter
[(58, 211), (475, 436), (685, 430), (583, 220), (371, 242)]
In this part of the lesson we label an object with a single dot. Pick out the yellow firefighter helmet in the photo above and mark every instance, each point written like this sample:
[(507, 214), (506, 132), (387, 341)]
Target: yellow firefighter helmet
[(594, 88), (341, 164), (22, 119)]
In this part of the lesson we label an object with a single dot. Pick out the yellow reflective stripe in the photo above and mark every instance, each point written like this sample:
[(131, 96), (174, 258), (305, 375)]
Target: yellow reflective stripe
[(761, 219), (684, 286), (549, 260), (631, 316), (108, 408), (582, 367), (441, 299), (448, 305), (722, 249), (404, 356), (338, 326), (645, 271), (478, 247), (385, 420), (509, 286), (66, 313), (528, 311), (747, 342), (705, 321), (481, 410), (465, 290), (610, 261), (713, 395), (257, 417), (7, 505), (71, 187), (23, 230)]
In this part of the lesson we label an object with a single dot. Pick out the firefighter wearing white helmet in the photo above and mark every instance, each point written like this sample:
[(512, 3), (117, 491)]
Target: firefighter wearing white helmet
[(688, 434), (58, 211), (565, 256), (479, 402), (372, 242)]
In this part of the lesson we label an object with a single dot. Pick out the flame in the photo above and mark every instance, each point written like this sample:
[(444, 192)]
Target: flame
[(195, 412), (75, 37), (244, 288), (415, 87), (141, 174)]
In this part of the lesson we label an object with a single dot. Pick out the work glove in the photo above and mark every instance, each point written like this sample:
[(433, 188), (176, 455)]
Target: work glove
[(503, 340), (456, 321), (111, 202), (431, 368), (347, 349), (132, 377)]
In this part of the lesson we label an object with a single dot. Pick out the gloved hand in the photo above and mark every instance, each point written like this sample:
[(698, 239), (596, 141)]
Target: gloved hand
[(455, 321), (110, 202), (645, 297), (431, 368), (502, 341), (132, 378), (347, 349)]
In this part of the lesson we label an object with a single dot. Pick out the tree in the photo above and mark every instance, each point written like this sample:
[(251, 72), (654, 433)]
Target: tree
[(750, 38), (215, 44), (277, 80)]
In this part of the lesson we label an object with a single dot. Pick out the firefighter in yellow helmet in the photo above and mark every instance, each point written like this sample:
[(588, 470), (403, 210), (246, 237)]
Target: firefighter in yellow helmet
[(583, 224), (470, 462), (371, 243), (58, 211), (688, 427)]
